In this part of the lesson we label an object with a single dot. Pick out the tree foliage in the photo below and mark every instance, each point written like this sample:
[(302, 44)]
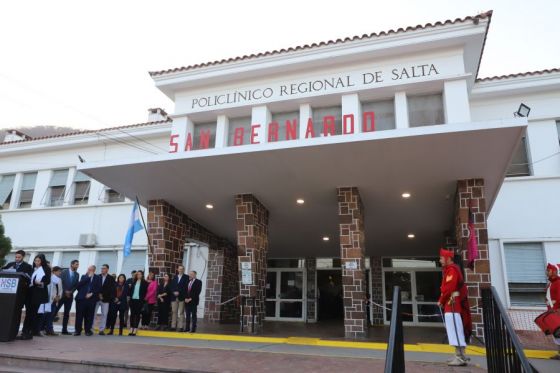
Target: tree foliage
[(5, 245)]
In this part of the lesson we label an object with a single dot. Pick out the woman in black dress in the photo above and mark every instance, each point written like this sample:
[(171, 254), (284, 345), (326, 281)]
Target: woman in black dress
[(164, 302), (38, 294), (138, 289), (118, 305)]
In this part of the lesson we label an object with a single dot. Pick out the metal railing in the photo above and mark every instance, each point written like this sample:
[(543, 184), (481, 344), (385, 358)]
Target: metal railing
[(504, 352), (394, 360)]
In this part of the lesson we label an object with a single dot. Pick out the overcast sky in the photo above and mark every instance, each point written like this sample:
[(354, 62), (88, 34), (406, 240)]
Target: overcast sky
[(85, 64)]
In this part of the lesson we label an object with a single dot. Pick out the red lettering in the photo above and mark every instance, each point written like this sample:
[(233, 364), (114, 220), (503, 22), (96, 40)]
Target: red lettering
[(238, 136), (329, 126), (188, 144), (291, 129), (254, 133), (204, 142), (368, 115), (310, 130), (273, 131), (173, 144), (348, 118)]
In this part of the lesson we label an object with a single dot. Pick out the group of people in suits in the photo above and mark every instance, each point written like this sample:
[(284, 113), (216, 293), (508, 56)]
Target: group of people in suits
[(52, 288)]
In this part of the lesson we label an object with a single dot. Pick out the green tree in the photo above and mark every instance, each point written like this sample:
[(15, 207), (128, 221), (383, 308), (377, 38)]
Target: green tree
[(5, 245)]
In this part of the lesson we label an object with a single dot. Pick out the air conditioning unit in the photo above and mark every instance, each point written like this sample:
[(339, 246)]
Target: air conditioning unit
[(87, 239)]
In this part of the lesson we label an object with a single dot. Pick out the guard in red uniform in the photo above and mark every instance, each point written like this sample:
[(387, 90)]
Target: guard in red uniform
[(454, 301), (553, 296)]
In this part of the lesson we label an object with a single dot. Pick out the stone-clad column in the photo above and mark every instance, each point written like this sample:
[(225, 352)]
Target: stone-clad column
[(252, 244), (376, 273), (352, 247), (472, 191)]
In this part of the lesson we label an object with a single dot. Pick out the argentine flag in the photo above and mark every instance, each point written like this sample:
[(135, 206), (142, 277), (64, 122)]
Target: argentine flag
[(133, 226)]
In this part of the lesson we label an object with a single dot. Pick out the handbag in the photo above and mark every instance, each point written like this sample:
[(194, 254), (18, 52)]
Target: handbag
[(549, 323)]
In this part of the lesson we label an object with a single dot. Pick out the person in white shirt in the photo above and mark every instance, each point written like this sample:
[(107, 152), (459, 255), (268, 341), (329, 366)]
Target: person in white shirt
[(55, 294)]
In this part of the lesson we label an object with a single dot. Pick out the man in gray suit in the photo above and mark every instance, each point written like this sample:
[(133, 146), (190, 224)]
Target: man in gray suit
[(69, 278)]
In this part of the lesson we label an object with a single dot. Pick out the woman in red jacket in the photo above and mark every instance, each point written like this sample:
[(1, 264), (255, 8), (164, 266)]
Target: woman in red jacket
[(553, 296)]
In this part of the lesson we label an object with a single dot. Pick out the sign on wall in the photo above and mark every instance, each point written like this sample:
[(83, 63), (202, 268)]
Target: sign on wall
[(9, 285)]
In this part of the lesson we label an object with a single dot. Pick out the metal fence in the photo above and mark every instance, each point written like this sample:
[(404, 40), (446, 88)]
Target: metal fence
[(504, 352), (394, 360)]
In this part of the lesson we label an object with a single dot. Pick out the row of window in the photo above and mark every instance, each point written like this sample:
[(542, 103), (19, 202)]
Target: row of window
[(56, 193), (525, 270), (424, 110)]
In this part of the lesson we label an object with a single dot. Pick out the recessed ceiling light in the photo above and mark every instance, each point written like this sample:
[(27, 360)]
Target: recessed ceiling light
[(209, 206), (411, 235), (300, 201), (326, 238), (405, 195)]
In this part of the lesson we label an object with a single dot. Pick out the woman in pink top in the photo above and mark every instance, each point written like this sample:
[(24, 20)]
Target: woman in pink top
[(151, 300)]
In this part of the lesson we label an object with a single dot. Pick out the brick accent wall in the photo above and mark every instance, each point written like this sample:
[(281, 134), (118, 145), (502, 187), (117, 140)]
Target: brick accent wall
[(479, 277), (169, 228), (311, 269), (352, 247), (376, 272), (252, 245)]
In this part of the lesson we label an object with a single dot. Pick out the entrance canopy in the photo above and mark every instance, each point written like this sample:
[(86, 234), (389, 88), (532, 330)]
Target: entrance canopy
[(423, 161)]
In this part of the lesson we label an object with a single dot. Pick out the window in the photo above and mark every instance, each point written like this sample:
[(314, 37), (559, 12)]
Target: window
[(384, 113), (27, 189), (109, 258), (525, 265), (112, 196), (425, 110), (205, 132), (135, 261), (319, 115), (288, 126), (243, 126), (49, 255), (519, 163), (57, 187), (6, 188), (82, 184), (67, 257)]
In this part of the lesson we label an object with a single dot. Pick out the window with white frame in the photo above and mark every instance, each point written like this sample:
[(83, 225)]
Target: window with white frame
[(519, 165), (81, 185), (284, 126), (204, 136), (109, 258), (67, 257), (27, 190), (6, 189), (112, 196), (239, 131), (322, 118), (134, 262), (384, 113), (525, 269), (425, 110), (57, 188)]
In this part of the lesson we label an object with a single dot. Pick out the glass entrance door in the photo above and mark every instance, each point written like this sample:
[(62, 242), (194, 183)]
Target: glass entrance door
[(419, 294), (284, 294)]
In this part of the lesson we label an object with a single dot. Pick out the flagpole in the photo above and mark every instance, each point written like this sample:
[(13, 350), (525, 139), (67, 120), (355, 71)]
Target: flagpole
[(145, 226)]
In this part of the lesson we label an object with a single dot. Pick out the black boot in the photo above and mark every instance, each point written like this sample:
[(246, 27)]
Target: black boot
[(111, 332), (120, 330)]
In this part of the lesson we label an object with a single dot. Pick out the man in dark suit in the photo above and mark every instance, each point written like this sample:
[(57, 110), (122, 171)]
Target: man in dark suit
[(19, 265), (88, 294), (107, 294), (192, 297), (70, 279), (178, 290)]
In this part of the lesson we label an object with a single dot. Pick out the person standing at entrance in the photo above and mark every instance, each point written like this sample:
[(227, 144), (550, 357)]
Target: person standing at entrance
[(19, 265), (137, 295), (69, 278), (553, 297), (86, 299), (164, 304), (192, 298), (106, 296), (177, 298), (455, 305), (37, 295), (118, 305)]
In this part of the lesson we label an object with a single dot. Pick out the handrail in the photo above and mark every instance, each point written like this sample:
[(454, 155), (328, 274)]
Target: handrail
[(394, 360), (504, 352)]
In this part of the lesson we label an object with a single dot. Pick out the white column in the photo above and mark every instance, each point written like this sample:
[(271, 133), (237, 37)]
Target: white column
[(351, 105), (179, 130), (222, 131), (69, 190), (305, 112), (16, 192), (401, 110), (260, 116), (456, 101), (542, 141)]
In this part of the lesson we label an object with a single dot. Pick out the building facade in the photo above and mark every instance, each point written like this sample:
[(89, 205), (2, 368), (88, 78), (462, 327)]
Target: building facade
[(303, 181)]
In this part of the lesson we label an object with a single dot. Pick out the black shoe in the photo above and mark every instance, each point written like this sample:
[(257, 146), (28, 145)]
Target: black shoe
[(38, 334), (131, 334), (65, 332), (56, 318), (77, 334), (111, 332), (102, 333), (89, 334), (187, 330), (193, 331)]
